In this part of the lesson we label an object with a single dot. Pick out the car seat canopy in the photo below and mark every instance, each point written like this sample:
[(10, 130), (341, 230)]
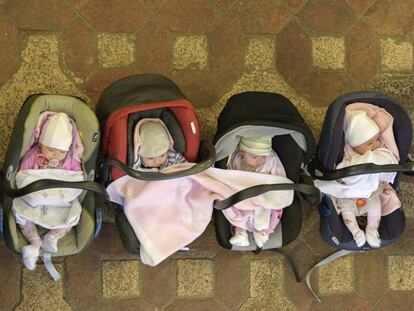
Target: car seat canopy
[(260, 114), (137, 89)]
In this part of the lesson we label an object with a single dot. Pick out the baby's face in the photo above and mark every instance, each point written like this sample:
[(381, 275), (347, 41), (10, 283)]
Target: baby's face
[(155, 161), (369, 145), (53, 153), (252, 159)]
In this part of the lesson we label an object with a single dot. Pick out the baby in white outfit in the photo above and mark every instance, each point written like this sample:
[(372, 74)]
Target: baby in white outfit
[(362, 134)]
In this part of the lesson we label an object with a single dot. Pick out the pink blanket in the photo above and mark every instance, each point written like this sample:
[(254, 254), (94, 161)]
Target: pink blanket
[(168, 215)]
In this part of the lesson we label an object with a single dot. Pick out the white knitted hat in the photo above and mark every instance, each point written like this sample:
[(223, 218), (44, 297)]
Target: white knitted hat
[(360, 128), (57, 132), (154, 140), (261, 146)]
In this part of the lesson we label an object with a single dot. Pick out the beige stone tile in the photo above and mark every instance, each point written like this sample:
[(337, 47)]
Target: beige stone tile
[(120, 279), (190, 52), (396, 55), (401, 272), (266, 276), (39, 72), (195, 278), (337, 277), (116, 49), (328, 52), (260, 53), (267, 286), (278, 303), (41, 292)]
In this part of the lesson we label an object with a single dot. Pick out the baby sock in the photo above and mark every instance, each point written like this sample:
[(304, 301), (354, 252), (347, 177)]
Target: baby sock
[(240, 238), (260, 238), (372, 236), (373, 222), (30, 252), (51, 239), (352, 225)]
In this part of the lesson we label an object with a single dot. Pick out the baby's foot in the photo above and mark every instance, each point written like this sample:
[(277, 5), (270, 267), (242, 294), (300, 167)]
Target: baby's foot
[(260, 238), (359, 238), (373, 238), (30, 254), (240, 238), (49, 244)]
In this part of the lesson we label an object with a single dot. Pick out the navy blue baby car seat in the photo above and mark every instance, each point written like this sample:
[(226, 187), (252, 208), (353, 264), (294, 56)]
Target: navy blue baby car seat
[(331, 151)]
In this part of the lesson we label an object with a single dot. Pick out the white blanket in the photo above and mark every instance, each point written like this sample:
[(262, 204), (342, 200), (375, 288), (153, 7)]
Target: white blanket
[(360, 186), (51, 208)]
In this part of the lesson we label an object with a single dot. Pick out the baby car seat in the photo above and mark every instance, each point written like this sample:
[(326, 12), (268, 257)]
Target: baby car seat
[(254, 114), (331, 151), (91, 217), (120, 107)]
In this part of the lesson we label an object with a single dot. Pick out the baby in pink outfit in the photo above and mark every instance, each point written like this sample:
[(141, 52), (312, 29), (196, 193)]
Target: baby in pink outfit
[(255, 154), (50, 152)]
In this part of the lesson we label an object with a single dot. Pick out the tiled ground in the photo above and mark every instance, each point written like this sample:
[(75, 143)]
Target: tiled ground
[(309, 50)]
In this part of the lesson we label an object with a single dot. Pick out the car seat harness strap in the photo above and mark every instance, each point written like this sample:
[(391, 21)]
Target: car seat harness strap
[(47, 259), (328, 259), (311, 192)]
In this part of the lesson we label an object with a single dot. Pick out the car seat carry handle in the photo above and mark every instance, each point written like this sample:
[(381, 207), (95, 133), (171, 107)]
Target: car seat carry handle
[(210, 154), (359, 169), (313, 194), (45, 184)]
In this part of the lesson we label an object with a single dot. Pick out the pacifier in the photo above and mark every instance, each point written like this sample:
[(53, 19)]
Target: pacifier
[(361, 202), (53, 163)]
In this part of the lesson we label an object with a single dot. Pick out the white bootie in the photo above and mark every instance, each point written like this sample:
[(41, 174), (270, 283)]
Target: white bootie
[(240, 238), (30, 255), (49, 244), (260, 238), (373, 238), (359, 238)]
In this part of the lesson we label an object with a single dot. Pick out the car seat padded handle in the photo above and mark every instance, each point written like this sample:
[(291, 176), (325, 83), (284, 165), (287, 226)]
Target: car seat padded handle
[(312, 193), (316, 170), (209, 155), (45, 184)]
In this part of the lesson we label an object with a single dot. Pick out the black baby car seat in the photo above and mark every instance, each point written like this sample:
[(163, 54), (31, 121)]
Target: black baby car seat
[(254, 114)]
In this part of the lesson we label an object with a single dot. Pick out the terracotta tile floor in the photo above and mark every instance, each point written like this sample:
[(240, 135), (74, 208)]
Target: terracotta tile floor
[(311, 51)]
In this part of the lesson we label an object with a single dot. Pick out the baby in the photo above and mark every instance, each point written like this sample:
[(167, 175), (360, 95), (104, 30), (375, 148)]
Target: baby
[(50, 151), (362, 135), (153, 146), (255, 154)]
